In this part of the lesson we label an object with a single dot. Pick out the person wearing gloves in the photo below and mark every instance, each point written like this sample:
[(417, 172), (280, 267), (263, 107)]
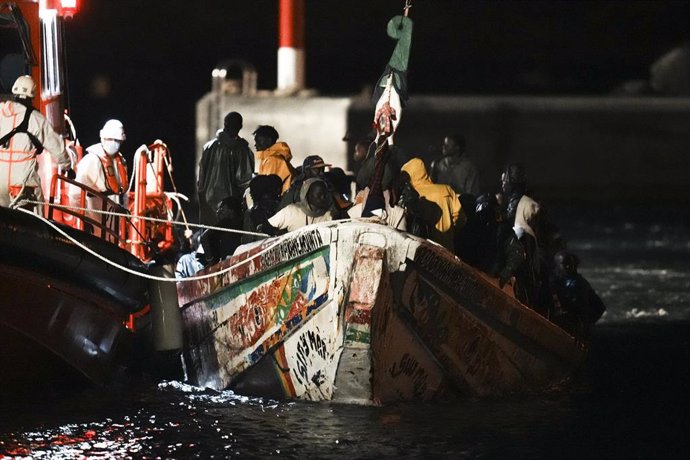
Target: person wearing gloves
[(24, 134), (103, 168)]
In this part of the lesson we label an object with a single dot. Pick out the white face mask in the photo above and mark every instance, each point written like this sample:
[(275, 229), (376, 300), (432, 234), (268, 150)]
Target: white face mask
[(111, 146)]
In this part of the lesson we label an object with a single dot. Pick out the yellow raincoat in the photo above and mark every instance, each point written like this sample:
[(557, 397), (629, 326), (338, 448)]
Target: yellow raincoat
[(276, 160), (441, 195)]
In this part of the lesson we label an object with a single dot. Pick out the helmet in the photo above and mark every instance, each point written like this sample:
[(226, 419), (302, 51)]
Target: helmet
[(24, 86), (113, 129)]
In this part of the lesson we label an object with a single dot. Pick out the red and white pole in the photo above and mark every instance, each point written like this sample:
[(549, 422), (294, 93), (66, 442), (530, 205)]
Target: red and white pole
[(291, 45)]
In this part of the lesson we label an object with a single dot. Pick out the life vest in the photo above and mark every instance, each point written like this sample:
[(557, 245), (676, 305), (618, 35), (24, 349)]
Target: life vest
[(109, 164)]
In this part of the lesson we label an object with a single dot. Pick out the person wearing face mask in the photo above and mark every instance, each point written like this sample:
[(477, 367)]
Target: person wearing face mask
[(103, 168)]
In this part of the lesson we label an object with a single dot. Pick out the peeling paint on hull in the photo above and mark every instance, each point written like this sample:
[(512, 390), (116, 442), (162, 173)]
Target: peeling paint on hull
[(361, 313)]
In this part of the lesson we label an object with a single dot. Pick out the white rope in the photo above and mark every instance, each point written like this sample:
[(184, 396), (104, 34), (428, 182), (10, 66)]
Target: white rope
[(160, 278), (150, 219)]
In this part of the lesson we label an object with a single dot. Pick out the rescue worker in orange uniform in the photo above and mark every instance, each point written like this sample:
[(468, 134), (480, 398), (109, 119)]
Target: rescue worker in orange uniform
[(104, 169), (24, 134)]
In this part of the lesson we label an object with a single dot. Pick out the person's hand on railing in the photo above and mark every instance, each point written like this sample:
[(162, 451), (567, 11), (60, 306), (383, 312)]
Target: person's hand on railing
[(69, 173)]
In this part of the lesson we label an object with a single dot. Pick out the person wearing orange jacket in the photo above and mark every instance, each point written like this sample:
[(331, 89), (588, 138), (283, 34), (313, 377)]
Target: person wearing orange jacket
[(437, 204), (272, 156)]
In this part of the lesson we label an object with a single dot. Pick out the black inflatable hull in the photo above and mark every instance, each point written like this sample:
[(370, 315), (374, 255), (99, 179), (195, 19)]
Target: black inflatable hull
[(62, 309)]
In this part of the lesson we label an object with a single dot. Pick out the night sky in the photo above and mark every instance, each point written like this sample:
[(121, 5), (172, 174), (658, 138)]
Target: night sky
[(147, 62)]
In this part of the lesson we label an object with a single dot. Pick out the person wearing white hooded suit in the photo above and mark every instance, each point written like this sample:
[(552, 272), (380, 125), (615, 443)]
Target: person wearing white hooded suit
[(104, 169)]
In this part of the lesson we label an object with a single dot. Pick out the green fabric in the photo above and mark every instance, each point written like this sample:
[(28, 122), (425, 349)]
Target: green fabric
[(400, 29)]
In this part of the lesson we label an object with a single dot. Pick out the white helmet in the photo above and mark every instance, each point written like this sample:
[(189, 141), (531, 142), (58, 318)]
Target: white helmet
[(24, 86), (113, 129)]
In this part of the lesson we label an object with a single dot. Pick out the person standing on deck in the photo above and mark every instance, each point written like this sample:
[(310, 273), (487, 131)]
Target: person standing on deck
[(455, 168), (273, 156), (226, 167), (104, 169), (24, 134)]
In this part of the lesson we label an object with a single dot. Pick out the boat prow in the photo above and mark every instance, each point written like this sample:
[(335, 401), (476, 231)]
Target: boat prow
[(360, 312)]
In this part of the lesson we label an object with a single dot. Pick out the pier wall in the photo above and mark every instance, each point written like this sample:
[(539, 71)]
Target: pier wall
[(574, 148)]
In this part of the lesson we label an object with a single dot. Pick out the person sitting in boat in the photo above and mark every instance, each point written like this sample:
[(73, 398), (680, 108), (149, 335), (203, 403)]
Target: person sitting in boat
[(496, 249), (103, 168), (315, 205), (313, 166), (438, 204), (342, 186), (272, 156), (191, 262), (579, 307), (219, 244), (25, 133), (265, 194)]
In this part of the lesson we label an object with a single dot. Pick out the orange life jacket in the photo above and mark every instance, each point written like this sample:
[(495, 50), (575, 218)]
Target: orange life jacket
[(109, 164)]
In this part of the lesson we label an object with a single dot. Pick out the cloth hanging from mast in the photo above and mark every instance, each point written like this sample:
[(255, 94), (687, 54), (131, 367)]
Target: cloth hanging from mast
[(390, 92)]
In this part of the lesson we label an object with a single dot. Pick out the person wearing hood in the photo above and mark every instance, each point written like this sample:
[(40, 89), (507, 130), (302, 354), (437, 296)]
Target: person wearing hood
[(103, 168), (273, 156), (528, 274), (226, 167), (437, 204), (315, 205)]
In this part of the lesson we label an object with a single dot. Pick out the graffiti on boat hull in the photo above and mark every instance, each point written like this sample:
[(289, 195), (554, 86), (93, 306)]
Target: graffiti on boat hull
[(247, 319)]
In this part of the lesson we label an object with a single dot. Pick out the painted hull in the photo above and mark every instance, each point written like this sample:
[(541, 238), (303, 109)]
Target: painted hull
[(361, 313), (63, 311)]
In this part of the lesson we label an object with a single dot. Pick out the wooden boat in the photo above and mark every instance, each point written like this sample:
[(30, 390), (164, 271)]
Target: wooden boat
[(359, 312)]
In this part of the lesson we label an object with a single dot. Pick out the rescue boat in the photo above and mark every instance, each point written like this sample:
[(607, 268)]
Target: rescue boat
[(77, 284), (358, 312), (78, 290)]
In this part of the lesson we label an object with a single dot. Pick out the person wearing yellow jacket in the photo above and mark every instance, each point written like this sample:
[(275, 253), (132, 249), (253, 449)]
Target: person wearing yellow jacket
[(440, 199), (273, 157)]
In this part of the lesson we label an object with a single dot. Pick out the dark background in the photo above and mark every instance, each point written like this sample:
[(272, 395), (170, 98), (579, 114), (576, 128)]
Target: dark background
[(147, 62)]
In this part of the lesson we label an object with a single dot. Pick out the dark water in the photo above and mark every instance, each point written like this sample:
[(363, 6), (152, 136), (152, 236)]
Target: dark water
[(631, 399)]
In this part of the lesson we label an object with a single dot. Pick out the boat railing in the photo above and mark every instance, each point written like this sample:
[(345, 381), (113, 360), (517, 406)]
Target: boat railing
[(94, 211), (141, 227)]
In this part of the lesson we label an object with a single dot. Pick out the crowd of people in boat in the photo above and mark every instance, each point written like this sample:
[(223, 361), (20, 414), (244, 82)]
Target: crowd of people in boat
[(506, 233), (247, 196)]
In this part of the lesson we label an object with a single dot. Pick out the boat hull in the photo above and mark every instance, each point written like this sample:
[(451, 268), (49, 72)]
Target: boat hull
[(63, 311), (362, 313)]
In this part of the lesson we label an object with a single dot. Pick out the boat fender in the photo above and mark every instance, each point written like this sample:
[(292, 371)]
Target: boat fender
[(166, 318)]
